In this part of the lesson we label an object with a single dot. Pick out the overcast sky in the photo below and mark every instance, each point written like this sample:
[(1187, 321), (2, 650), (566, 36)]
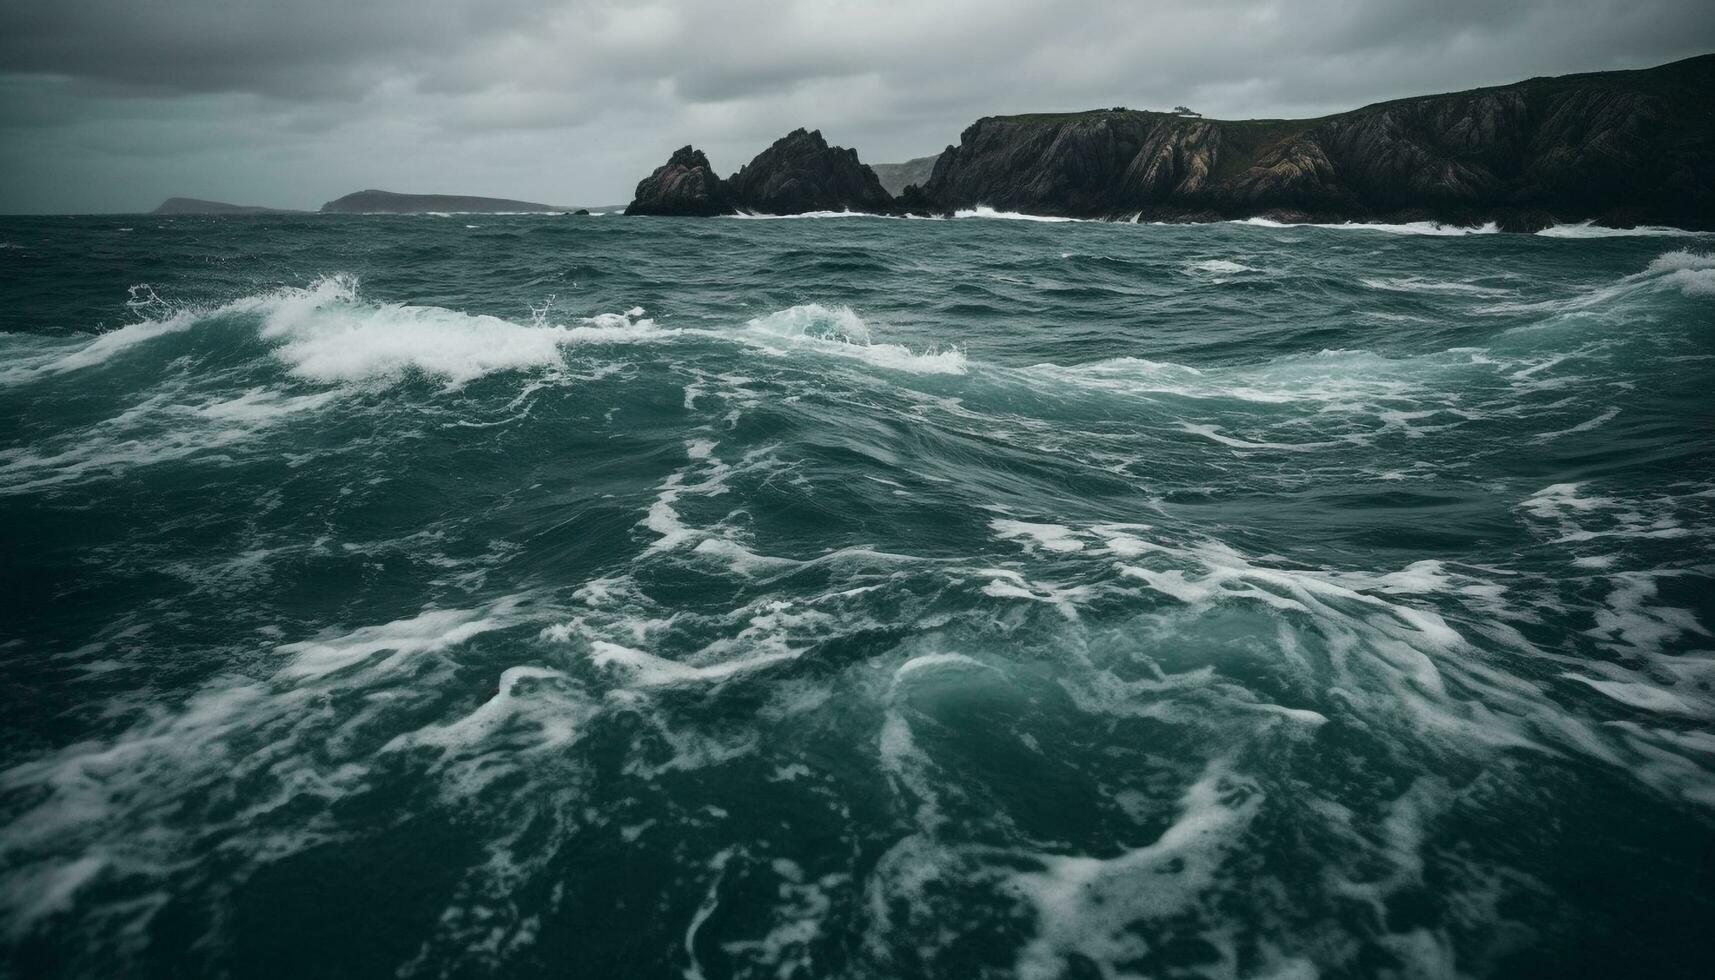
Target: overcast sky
[(113, 105)]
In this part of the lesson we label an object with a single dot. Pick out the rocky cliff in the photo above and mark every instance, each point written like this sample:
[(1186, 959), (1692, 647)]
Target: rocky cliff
[(1620, 147), (799, 173)]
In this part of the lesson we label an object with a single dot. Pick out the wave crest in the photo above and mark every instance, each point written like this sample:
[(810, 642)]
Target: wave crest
[(839, 331)]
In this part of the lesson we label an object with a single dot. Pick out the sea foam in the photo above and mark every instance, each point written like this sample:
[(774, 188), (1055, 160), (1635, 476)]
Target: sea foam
[(841, 332), (1404, 228), (984, 211), (1589, 229)]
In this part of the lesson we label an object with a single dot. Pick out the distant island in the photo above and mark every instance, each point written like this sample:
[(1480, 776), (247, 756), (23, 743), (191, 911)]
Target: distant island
[(191, 205), (1622, 148), (895, 177), (387, 202)]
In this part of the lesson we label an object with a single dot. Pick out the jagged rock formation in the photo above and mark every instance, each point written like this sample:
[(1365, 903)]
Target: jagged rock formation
[(799, 173), (192, 205), (387, 202), (802, 173), (895, 177), (1623, 148), (684, 185)]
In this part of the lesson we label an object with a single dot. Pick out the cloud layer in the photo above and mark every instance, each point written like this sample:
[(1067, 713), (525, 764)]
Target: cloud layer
[(115, 104)]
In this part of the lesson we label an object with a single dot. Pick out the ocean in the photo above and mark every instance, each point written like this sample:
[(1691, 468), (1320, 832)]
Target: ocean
[(543, 596)]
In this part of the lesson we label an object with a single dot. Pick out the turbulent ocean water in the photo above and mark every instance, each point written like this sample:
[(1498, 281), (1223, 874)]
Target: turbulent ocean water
[(530, 596)]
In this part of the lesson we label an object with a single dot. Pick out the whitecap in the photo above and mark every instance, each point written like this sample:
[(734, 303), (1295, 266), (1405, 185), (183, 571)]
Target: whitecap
[(1419, 284), (1213, 434), (648, 670), (1633, 694), (984, 211), (1222, 267), (1405, 228), (1050, 537), (1589, 229), (756, 216), (840, 331), (431, 630)]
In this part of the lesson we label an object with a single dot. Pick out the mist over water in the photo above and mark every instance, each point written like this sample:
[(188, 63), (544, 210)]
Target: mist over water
[(536, 596)]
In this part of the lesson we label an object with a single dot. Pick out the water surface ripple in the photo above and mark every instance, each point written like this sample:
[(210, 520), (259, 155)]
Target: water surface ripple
[(523, 596)]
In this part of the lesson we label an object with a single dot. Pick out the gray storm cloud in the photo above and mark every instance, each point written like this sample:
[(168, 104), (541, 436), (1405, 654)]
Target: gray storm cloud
[(115, 104)]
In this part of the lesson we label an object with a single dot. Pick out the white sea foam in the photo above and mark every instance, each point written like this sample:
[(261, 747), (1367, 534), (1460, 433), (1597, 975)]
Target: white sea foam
[(1004, 583), (328, 335), (105, 346), (1419, 284), (326, 332), (984, 211), (158, 429), (1692, 272), (1637, 695), (435, 629), (1092, 909), (1222, 267), (1052, 537), (839, 331), (757, 216), (1407, 228), (1331, 378), (1589, 229), (116, 804), (1213, 434), (648, 670)]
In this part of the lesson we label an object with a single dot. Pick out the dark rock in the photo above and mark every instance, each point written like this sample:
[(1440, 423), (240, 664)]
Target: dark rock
[(581, 211), (912, 200), (802, 173), (1632, 147), (1524, 221), (684, 185), (1623, 217)]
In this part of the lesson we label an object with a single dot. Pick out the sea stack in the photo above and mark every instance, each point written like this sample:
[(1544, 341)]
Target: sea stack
[(798, 174), (685, 185), (802, 173)]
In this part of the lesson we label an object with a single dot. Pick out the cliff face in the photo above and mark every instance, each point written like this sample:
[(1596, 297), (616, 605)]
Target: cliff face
[(799, 173), (1620, 147), (684, 185)]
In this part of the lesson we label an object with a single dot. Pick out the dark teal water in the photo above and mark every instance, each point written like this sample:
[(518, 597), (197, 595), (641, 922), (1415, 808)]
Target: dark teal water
[(552, 597)]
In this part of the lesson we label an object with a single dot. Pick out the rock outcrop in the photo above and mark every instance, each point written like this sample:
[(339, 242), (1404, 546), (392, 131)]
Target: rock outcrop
[(802, 173), (799, 173), (1619, 147), (684, 185)]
